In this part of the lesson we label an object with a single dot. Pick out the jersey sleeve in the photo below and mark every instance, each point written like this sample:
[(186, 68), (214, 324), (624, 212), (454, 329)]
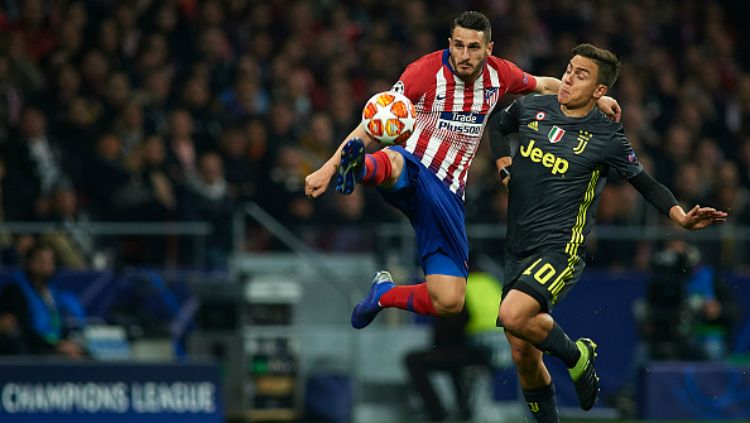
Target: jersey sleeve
[(502, 124), (508, 119), (516, 80), (410, 84), (619, 154)]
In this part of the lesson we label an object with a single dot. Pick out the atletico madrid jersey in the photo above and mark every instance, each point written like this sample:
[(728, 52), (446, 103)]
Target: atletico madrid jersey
[(451, 114)]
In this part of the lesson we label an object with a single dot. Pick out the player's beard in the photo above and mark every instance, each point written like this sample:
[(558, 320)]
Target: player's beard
[(468, 73)]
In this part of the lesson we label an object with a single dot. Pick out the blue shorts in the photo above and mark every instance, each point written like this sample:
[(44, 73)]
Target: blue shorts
[(437, 215)]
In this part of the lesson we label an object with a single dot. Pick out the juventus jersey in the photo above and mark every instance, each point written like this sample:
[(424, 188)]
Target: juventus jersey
[(558, 173)]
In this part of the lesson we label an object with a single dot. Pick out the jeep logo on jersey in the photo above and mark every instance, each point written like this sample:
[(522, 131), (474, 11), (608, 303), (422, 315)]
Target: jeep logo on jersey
[(555, 134), (548, 160), (466, 123)]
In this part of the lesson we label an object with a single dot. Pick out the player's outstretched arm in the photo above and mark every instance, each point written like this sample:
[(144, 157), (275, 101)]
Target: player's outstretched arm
[(547, 85), (697, 218), (317, 182), (662, 198)]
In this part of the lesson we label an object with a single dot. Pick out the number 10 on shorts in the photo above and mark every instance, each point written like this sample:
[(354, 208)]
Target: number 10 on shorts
[(544, 274)]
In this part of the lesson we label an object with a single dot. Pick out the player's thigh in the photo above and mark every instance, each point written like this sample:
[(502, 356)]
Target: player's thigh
[(437, 216), (517, 307)]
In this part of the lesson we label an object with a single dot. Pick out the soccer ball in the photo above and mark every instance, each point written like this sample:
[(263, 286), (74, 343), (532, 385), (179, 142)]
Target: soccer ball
[(389, 118)]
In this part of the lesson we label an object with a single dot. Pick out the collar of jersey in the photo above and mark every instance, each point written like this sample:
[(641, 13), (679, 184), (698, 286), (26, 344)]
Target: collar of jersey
[(590, 115)]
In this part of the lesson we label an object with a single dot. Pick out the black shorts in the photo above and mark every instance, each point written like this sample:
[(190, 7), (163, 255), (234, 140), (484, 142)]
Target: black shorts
[(545, 276)]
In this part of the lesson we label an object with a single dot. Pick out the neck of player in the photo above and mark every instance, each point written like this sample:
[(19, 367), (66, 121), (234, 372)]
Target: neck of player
[(577, 111)]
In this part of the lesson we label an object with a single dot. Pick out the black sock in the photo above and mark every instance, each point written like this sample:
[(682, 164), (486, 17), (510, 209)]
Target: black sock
[(558, 344), (541, 402)]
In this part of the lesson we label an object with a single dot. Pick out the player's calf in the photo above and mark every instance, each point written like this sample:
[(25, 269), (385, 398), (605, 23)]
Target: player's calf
[(378, 169)]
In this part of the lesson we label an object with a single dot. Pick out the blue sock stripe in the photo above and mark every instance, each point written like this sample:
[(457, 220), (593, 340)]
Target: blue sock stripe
[(368, 175), (410, 302), (403, 179)]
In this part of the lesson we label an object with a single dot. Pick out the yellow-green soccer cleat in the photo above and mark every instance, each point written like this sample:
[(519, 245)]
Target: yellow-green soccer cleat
[(584, 375)]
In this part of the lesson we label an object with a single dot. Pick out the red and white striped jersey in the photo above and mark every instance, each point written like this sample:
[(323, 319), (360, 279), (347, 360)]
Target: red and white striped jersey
[(451, 115)]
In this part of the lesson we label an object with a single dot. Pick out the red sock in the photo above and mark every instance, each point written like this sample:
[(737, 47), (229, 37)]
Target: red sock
[(414, 298), (377, 168)]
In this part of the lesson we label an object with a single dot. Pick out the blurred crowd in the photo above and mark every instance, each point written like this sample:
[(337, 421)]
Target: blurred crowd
[(182, 110)]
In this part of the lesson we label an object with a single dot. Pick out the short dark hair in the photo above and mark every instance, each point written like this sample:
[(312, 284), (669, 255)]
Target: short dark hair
[(474, 20), (609, 64)]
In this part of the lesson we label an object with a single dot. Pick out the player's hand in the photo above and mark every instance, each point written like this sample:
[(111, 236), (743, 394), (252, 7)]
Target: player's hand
[(317, 182), (503, 164), (712, 309), (700, 217), (69, 349), (8, 323), (610, 107)]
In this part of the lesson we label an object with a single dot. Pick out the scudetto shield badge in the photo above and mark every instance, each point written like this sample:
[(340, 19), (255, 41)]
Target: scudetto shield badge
[(555, 134)]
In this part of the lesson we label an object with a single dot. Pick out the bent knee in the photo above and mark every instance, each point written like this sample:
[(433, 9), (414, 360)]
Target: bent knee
[(511, 319), (449, 304)]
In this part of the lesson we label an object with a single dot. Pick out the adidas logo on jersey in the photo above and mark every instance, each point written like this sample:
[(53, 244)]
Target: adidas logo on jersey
[(534, 124), (548, 160)]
